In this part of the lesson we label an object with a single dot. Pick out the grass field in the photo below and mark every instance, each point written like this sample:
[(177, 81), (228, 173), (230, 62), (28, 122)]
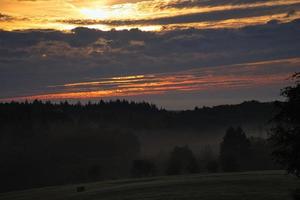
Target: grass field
[(266, 185)]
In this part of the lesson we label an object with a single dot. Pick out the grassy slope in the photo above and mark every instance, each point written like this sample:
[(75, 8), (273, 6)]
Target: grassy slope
[(268, 185)]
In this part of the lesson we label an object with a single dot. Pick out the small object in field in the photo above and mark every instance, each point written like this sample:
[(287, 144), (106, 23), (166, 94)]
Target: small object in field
[(296, 194), (80, 189)]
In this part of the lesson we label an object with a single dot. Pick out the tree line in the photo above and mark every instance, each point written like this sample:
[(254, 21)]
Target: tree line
[(134, 115), (237, 153)]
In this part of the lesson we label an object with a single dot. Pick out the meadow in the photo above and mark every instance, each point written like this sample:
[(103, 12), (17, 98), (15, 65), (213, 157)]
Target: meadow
[(259, 185)]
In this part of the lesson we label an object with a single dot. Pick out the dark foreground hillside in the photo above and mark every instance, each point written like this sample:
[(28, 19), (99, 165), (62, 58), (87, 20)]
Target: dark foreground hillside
[(263, 185)]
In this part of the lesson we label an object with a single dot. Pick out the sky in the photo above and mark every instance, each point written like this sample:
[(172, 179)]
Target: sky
[(177, 54)]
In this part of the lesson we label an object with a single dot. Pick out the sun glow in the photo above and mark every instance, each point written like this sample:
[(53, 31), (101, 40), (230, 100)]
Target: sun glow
[(153, 15), (120, 11), (95, 13)]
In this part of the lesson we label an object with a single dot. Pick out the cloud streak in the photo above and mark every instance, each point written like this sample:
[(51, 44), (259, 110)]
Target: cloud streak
[(224, 77)]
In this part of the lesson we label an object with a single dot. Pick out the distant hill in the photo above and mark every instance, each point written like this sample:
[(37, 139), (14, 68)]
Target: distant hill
[(136, 116)]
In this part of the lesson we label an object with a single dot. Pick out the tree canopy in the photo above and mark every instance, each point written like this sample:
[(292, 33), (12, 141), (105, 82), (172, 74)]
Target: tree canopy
[(285, 135), (182, 161), (234, 150)]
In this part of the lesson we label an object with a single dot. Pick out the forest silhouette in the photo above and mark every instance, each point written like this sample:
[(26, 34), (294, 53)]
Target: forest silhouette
[(43, 143)]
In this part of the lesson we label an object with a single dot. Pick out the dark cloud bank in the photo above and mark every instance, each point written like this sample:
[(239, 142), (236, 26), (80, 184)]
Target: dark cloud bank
[(206, 3)]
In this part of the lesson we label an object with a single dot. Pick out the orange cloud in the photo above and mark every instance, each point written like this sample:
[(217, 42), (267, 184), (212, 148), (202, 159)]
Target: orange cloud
[(195, 80), (105, 15)]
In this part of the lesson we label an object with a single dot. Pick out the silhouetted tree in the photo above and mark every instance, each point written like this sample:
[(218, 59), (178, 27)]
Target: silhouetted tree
[(234, 150), (182, 161), (285, 136)]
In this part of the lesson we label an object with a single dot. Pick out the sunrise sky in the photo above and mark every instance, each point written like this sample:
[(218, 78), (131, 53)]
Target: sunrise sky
[(175, 53)]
